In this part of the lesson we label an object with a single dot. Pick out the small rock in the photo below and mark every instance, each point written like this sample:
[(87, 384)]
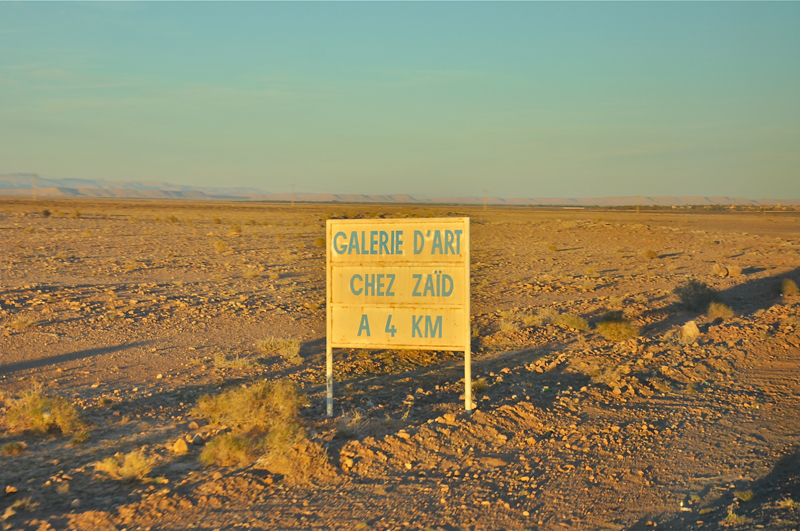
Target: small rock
[(180, 447), (216, 475), (198, 439), (348, 463), (408, 466), (193, 426), (159, 376), (75, 503), (10, 489)]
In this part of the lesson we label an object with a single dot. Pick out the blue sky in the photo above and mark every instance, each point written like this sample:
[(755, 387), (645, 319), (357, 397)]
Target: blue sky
[(520, 99)]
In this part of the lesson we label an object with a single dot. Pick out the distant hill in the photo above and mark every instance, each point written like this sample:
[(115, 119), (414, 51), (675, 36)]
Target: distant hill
[(21, 185)]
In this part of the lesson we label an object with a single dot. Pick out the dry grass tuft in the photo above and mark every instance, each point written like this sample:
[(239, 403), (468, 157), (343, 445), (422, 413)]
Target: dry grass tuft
[(649, 254), (288, 349), (220, 246), (22, 322), (788, 288), (221, 361), (744, 495), (786, 503), (718, 310), (734, 519), (319, 242), (568, 320), (696, 295), (13, 448), (79, 438), (36, 412), (133, 466)]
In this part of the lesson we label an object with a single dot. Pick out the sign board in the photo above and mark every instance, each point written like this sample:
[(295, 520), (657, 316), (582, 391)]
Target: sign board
[(398, 284)]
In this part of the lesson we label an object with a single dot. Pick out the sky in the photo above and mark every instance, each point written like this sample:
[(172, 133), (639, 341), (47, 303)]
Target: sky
[(518, 99)]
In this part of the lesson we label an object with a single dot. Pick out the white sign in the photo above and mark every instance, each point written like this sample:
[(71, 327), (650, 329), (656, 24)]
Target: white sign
[(398, 284)]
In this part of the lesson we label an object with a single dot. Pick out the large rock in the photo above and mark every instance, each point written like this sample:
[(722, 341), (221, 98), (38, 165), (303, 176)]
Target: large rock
[(689, 333)]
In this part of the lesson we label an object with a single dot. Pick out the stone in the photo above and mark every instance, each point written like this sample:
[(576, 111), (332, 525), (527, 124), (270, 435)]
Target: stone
[(180, 447), (76, 503), (719, 270), (198, 439), (193, 426), (689, 332)]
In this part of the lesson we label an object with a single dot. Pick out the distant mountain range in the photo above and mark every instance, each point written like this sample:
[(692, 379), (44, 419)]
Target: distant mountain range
[(21, 185)]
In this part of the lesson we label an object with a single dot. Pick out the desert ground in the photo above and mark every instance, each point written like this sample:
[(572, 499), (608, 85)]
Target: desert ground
[(605, 398)]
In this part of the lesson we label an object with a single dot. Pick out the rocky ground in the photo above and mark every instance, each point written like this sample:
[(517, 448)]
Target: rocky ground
[(133, 310)]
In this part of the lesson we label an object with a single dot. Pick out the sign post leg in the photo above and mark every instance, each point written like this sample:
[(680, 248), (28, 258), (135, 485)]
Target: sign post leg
[(329, 377), (468, 379)]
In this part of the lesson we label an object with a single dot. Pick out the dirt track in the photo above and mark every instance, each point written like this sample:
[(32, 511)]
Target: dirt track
[(140, 308)]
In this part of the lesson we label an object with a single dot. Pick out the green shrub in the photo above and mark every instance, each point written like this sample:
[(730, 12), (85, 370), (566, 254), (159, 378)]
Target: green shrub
[(696, 295)]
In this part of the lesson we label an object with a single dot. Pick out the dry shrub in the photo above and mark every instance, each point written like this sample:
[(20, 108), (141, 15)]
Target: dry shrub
[(351, 425), (509, 326), (251, 273), (788, 288), (649, 254), (479, 386), (552, 248), (744, 495), (133, 466), (617, 330), (568, 320), (216, 221), (265, 425), (288, 349), (718, 310), (544, 317), (13, 448), (263, 407), (611, 376), (696, 295), (36, 412), (229, 450), (220, 246), (319, 242), (236, 229)]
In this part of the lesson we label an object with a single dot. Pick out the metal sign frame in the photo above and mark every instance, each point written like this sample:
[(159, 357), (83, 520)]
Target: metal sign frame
[(359, 257)]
